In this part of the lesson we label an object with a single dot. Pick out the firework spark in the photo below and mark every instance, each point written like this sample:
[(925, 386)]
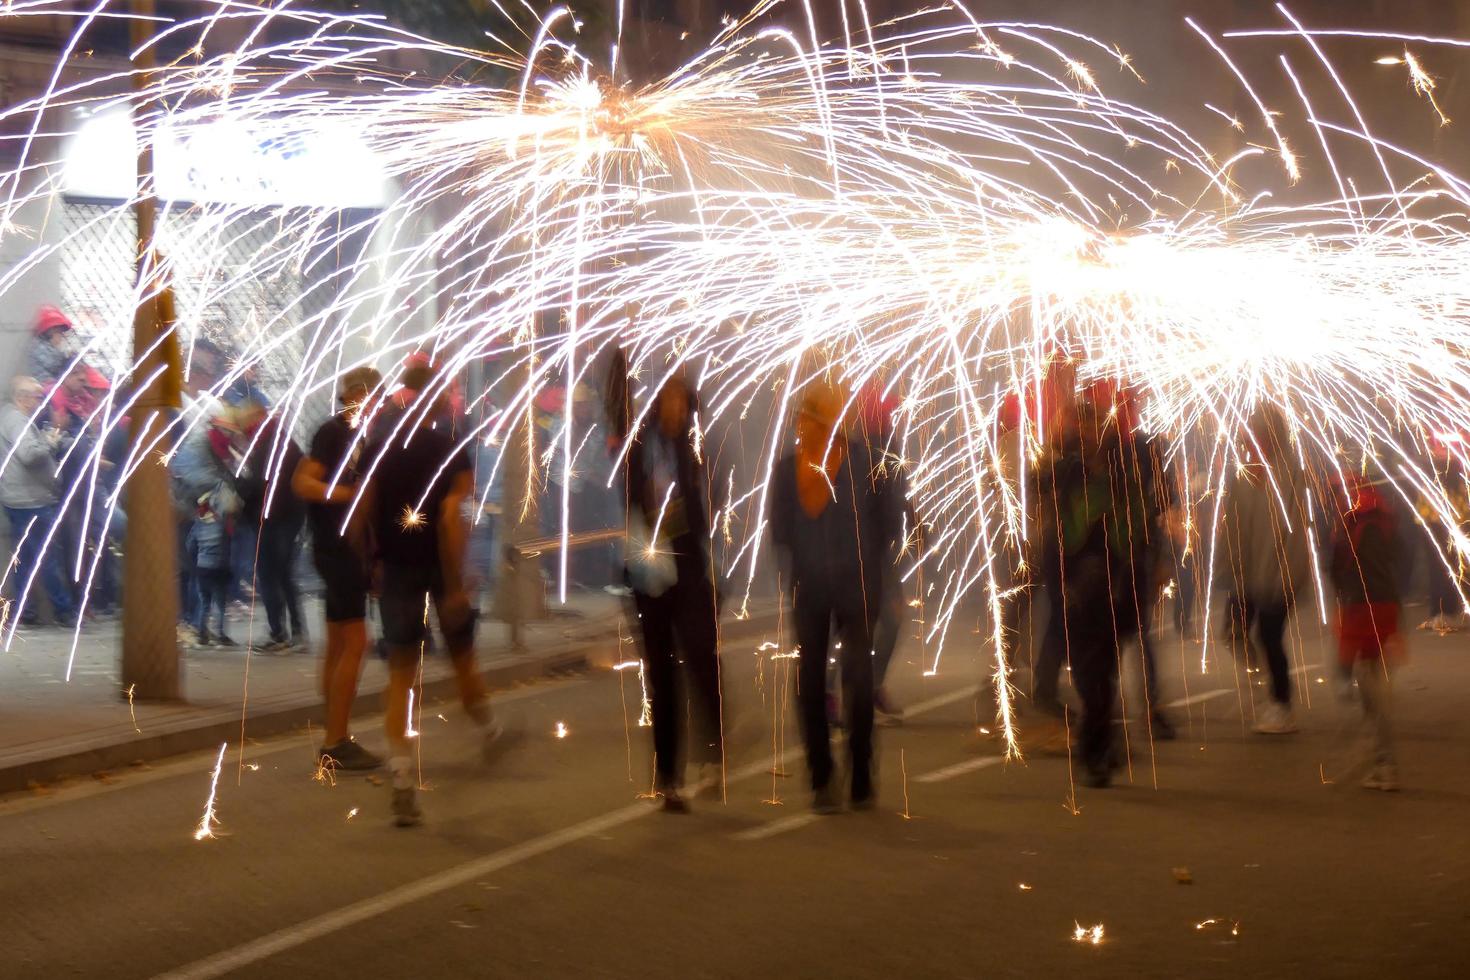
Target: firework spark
[(208, 822)]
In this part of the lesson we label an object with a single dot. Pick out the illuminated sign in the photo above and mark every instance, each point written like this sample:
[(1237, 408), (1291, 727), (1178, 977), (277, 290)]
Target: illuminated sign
[(225, 162)]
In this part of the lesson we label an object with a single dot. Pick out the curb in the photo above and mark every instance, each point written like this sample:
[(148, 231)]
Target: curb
[(88, 755)]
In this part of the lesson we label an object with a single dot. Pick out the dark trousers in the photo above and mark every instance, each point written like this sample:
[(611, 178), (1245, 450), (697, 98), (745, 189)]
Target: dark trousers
[(188, 580), (1046, 675), (890, 622), (1269, 622), (214, 589), (47, 565), (280, 544), (1095, 676), (679, 629), (815, 617)]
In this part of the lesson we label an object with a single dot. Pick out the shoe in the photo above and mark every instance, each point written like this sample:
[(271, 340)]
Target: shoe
[(406, 812), (496, 741), (825, 801), (863, 802), (224, 641), (1162, 729), (1274, 719), (274, 646), (674, 802), (1384, 777), (1100, 777), (886, 712), (349, 755), (300, 641), (200, 641)]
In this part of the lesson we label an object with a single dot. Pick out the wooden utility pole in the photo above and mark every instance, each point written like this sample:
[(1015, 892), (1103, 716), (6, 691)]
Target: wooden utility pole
[(150, 646)]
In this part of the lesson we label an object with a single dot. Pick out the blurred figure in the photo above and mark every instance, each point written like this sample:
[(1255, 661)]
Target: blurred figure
[(1060, 461), (277, 515), (209, 551), (1265, 559), (413, 508), (669, 571), (877, 420), (28, 494), (246, 389), (1094, 527), (582, 483), (832, 520), (1365, 574), (1446, 607), (327, 479), (204, 461), (52, 345)]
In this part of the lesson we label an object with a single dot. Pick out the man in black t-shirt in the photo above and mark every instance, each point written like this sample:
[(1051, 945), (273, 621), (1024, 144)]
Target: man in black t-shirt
[(327, 479), (419, 483)]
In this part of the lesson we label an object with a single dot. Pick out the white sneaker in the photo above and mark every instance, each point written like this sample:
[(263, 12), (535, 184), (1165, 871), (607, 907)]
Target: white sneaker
[(1384, 776), (1274, 719)]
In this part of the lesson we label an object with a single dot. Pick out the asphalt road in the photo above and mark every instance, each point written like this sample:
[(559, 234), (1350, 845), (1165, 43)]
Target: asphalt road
[(550, 865)]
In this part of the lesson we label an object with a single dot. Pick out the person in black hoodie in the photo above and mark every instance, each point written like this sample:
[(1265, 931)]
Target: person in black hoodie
[(670, 572), (268, 504)]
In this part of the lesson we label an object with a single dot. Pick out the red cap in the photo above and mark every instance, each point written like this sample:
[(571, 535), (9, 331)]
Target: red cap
[(49, 318)]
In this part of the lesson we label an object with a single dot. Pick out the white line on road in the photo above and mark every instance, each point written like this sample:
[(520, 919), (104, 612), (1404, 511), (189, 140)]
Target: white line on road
[(1218, 692), (777, 827), (324, 925), (959, 769)]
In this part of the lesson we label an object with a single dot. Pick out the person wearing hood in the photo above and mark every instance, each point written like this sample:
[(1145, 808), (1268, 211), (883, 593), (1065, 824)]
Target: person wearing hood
[(1365, 573), (833, 517), (1263, 557)]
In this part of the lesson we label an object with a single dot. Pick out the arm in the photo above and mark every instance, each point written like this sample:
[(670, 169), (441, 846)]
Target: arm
[(453, 533), (309, 483)]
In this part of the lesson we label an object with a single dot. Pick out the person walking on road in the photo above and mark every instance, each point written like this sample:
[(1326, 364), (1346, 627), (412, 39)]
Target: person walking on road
[(413, 506), (669, 571), (28, 494), (327, 480), (1265, 558), (833, 516), (1366, 575)]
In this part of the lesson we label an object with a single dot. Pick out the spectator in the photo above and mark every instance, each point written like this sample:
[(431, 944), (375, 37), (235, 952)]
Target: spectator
[(52, 346), (28, 494), (209, 549), (278, 515)]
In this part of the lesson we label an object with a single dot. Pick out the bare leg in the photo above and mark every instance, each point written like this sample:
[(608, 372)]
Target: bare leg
[(402, 667), (350, 642)]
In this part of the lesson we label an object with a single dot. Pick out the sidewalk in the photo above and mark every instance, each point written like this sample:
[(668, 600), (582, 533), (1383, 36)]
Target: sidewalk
[(51, 728)]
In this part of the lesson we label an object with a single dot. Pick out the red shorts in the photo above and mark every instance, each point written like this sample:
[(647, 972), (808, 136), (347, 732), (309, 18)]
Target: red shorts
[(1365, 631)]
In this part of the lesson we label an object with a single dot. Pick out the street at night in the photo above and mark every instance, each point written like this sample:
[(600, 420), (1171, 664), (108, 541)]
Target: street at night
[(1221, 854)]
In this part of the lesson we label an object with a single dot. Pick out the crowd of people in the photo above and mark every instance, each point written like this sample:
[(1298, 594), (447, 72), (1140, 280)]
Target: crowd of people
[(1113, 536)]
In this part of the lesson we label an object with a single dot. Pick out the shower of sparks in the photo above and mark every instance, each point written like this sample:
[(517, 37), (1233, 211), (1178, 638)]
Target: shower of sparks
[(561, 730), (1092, 935), (207, 822), (971, 200)]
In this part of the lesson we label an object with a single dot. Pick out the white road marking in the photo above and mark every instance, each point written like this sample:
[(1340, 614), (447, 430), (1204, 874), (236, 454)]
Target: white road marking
[(1210, 695), (302, 933), (959, 769), (795, 822)]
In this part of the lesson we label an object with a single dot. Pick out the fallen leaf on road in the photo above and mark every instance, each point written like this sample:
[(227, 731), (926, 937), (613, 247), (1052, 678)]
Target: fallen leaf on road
[(1183, 877)]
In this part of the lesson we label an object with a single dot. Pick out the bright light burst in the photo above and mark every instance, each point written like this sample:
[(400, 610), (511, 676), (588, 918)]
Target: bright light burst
[(938, 205)]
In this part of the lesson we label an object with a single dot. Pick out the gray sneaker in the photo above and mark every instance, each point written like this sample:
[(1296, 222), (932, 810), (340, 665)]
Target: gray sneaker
[(349, 755), (406, 812)]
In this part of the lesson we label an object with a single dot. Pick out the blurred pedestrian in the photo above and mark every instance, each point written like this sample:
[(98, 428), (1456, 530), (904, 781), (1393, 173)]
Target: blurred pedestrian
[(1366, 576), (1446, 604), (271, 458), (414, 509), (28, 492), (878, 430), (209, 550), (832, 521), (1264, 557), (672, 579), (327, 478)]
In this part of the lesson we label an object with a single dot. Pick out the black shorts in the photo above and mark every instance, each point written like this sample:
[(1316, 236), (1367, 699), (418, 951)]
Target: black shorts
[(344, 580), (404, 602)]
